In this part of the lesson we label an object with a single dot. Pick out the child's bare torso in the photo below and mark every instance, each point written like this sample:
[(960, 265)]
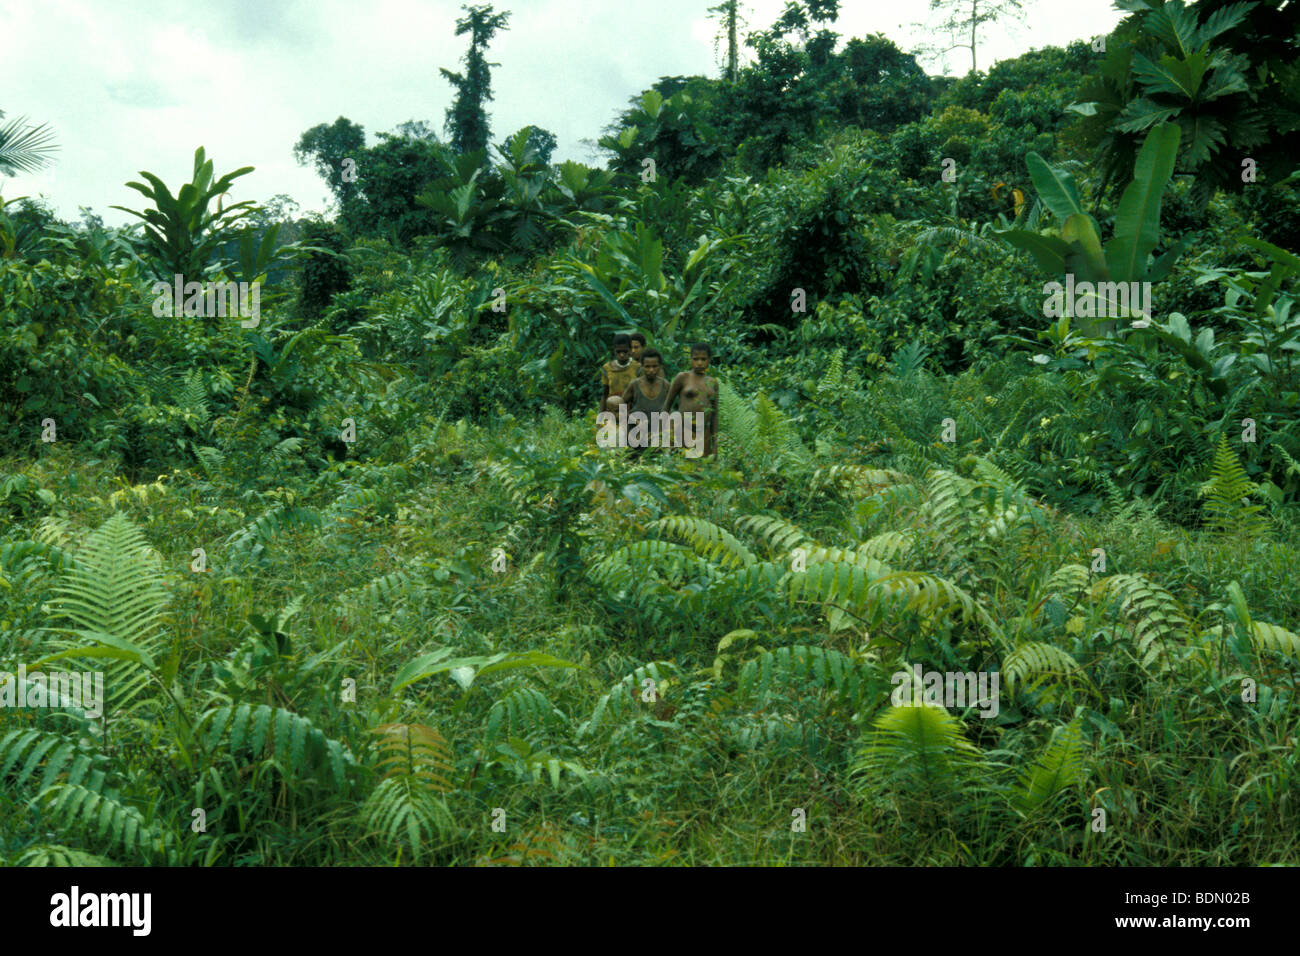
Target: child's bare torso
[(699, 393)]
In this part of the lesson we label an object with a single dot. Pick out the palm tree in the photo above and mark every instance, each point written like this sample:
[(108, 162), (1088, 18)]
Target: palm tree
[(23, 148)]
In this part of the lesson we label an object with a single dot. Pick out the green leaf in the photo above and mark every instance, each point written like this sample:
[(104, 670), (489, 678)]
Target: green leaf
[(1080, 229), (1238, 599), (1137, 220), (1055, 187), (109, 652), (1277, 253), (589, 274), (134, 651), (418, 668), (525, 659), (1049, 252)]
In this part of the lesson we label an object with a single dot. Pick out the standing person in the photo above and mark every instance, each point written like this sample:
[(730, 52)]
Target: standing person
[(697, 391), (647, 395), (638, 346), (618, 373)]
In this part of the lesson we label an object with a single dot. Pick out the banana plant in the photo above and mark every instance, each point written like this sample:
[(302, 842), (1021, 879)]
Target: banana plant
[(181, 235), (1076, 250)]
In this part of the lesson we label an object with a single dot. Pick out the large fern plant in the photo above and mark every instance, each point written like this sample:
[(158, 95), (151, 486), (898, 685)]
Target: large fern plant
[(1227, 496), (114, 598)]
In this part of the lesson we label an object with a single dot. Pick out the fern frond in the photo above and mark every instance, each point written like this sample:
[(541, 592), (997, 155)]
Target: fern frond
[(1059, 768), (417, 751), (918, 749), (1227, 493), (1067, 583), (1292, 466), (192, 397), (1035, 662), (732, 590), (770, 732), (841, 583), (858, 557), (265, 527), (803, 666), (1268, 637), (706, 538), (264, 731), (403, 813), (115, 596), (104, 818), (859, 479), (991, 474), (282, 451), (15, 556), (357, 500), (736, 420), (55, 531), (211, 460), (52, 854), (1157, 618), (520, 711), (25, 752), (625, 695), (518, 480), (890, 547), (832, 381), (775, 431), (929, 595), (384, 591), (776, 532), (949, 513), (870, 590)]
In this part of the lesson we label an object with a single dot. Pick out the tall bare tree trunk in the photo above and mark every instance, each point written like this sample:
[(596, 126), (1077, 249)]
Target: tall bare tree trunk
[(974, 19), (732, 54)]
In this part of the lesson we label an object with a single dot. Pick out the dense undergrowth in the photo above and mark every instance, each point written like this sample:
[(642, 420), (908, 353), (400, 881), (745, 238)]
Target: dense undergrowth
[(365, 591), (350, 681)]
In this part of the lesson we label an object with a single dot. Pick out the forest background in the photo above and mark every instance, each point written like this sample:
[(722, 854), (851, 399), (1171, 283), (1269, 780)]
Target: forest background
[(366, 591)]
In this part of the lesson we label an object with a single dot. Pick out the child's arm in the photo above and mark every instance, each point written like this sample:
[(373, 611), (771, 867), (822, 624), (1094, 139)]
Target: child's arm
[(713, 415), (673, 389), (604, 380)]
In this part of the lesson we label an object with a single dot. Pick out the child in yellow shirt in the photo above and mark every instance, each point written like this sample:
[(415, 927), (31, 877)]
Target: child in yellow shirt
[(618, 373)]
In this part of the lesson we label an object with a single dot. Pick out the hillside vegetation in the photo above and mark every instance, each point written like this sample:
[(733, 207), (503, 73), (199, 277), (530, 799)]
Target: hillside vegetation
[(365, 591)]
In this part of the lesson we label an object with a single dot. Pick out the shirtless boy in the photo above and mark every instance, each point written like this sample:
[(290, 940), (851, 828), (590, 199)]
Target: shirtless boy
[(646, 394), (697, 391)]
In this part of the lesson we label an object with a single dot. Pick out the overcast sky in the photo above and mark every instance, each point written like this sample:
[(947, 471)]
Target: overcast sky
[(135, 84)]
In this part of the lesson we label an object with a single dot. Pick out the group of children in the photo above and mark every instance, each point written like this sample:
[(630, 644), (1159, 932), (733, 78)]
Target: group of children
[(635, 382)]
